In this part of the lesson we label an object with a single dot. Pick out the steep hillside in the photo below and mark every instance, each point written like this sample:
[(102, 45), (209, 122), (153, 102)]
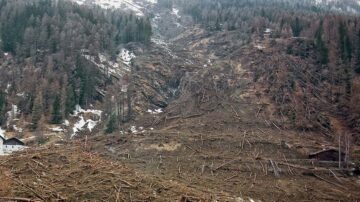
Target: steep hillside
[(208, 100)]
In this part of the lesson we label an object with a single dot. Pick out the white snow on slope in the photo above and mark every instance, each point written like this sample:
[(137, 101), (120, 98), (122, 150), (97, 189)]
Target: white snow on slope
[(79, 110), (128, 5), (7, 88), (17, 129), (156, 111), (2, 132), (12, 114), (175, 12), (82, 122), (116, 69), (152, 1), (126, 56), (57, 129)]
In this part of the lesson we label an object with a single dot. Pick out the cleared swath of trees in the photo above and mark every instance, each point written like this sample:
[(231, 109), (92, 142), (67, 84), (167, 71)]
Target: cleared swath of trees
[(316, 75)]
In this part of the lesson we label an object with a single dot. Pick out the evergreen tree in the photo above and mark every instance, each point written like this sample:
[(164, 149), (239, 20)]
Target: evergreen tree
[(70, 101), (56, 116), (2, 107), (344, 43), (321, 47), (357, 64), (36, 111), (111, 125), (296, 27)]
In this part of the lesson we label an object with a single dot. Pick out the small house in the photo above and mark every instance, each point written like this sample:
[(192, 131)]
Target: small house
[(8, 146), (327, 155), (2, 140)]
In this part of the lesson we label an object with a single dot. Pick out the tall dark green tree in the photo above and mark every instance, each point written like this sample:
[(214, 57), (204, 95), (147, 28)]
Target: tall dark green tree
[(36, 111), (357, 64), (111, 125), (56, 116), (2, 107), (344, 43), (323, 55), (296, 27), (70, 100)]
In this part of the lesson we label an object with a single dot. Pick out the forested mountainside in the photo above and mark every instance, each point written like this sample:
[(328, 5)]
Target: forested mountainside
[(317, 75), (180, 100), (43, 43)]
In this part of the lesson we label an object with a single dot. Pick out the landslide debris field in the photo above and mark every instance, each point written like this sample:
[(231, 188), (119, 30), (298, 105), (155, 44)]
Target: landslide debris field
[(243, 164), (208, 145), (218, 137)]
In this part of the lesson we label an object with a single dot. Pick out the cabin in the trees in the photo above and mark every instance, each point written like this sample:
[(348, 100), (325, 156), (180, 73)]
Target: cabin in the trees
[(8, 146), (327, 155)]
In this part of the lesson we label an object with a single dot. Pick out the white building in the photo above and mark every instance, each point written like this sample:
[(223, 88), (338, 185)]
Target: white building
[(2, 140), (8, 146)]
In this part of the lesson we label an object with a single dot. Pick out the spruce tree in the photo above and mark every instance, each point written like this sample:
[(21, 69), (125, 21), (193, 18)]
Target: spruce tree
[(2, 107), (56, 116), (111, 125), (296, 27), (70, 101), (36, 111), (321, 47)]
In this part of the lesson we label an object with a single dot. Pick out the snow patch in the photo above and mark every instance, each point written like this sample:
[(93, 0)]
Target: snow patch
[(90, 123), (12, 114), (66, 123), (156, 111), (126, 56), (17, 129), (22, 94), (7, 88), (78, 126), (128, 5), (2, 133), (175, 12), (133, 129), (57, 129), (152, 1), (260, 47), (78, 110), (107, 66)]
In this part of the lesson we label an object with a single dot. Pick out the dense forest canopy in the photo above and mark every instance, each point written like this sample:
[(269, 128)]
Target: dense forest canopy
[(28, 26), (46, 40)]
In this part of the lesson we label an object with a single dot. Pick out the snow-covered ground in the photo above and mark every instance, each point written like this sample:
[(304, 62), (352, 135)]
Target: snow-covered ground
[(136, 7), (2, 132), (82, 122), (7, 88), (17, 129), (12, 114), (57, 129), (125, 56), (175, 12), (117, 69), (156, 111)]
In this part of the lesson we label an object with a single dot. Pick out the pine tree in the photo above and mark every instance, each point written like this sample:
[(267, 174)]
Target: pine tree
[(56, 116), (111, 125), (321, 47), (296, 27), (70, 101), (344, 43), (36, 111), (2, 107)]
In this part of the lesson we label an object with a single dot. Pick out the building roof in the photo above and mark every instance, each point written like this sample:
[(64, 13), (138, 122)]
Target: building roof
[(13, 141), (2, 138)]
